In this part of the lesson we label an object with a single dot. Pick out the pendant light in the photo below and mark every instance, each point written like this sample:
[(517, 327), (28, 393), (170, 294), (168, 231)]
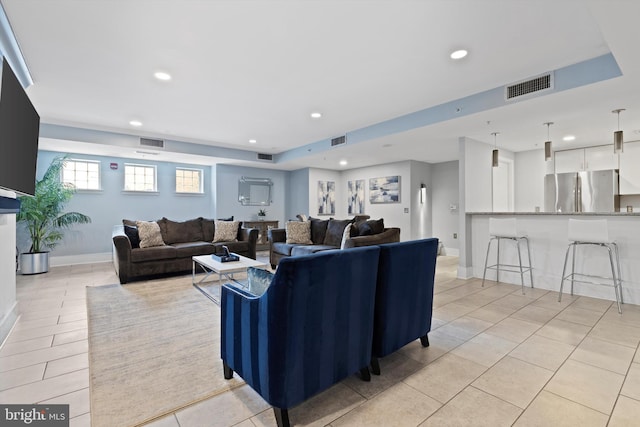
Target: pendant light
[(547, 144), (617, 135), (494, 156)]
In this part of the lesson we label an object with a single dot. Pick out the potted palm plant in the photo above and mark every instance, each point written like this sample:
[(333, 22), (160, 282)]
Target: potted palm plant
[(44, 217)]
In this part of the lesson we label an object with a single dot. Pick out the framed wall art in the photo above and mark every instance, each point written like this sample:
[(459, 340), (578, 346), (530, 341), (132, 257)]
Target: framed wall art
[(355, 197), (326, 198), (385, 189)]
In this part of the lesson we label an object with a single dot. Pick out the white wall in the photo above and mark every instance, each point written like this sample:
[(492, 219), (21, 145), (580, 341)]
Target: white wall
[(8, 307), (420, 211), (477, 176), (530, 169), (393, 213), (444, 184), (316, 175)]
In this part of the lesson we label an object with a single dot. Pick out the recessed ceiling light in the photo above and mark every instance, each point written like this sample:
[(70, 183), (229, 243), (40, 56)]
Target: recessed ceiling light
[(569, 138), (316, 115), (252, 141), (459, 54), (343, 163), (135, 123), (161, 75)]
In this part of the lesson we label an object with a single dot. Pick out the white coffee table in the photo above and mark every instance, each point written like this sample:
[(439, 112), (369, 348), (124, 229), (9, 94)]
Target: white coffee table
[(210, 266)]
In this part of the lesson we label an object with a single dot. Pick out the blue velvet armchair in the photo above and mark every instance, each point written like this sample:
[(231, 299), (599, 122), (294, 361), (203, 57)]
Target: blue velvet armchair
[(404, 296), (310, 329)]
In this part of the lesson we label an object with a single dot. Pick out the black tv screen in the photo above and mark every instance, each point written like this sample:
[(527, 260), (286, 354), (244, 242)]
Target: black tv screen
[(19, 131)]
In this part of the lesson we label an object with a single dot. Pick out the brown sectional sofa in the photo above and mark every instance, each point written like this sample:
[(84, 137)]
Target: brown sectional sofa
[(327, 234), (182, 241)]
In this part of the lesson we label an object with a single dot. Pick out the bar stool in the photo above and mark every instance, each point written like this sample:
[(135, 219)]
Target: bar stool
[(595, 233), (505, 229)]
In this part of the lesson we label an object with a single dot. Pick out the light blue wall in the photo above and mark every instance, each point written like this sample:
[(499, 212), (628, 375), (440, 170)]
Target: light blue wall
[(298, 193), (110, 205), (226, 194)]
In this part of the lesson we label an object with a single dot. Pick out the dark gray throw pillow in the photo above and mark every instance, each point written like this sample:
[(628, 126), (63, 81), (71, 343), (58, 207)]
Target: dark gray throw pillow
[(132, 233), (335, 229), (372, 226), (318, 230)]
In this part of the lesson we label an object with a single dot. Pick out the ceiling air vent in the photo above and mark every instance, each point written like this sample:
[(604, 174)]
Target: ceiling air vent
[(339, 140), (262, 156), (148, 142), (527, 87)]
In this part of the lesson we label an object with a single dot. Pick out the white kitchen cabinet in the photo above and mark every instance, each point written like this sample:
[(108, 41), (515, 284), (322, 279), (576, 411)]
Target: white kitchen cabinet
[(569, 160), (600, 158), (629, 170), (586, 159)]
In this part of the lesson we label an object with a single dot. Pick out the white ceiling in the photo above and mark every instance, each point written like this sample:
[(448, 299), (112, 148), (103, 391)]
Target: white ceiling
[(258, 68)]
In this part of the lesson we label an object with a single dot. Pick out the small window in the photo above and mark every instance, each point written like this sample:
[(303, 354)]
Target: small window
[(189, 180), (82, 174), (139, 177)]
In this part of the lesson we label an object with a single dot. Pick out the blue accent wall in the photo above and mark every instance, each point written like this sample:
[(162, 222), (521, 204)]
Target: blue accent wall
[(297, 193), (110, 205), (226, 194)]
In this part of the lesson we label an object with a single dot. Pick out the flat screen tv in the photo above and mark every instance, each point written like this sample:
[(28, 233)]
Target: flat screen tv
[(19, 131)]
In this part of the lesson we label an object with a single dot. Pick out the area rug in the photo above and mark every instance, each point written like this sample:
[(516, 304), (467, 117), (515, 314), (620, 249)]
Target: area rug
[(154, 348)]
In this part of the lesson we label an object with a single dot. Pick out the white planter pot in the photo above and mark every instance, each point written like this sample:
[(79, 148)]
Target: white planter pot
[(34, 263)]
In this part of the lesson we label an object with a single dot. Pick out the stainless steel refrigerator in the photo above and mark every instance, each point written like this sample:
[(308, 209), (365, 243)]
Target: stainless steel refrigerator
[(595, 191)]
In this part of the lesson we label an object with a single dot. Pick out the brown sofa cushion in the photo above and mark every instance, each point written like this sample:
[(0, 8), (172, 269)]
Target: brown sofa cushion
[(153, 254), (335, 228), (309, 249), (181, 232), (208, 228), (237, 247), (189, 249), (282, 248)]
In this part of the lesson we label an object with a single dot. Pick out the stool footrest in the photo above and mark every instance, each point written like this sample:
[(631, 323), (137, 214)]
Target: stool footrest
[(495, 267), (572, 276)]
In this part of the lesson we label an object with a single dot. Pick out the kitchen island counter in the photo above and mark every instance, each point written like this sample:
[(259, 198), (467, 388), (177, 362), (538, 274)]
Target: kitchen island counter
[(547, 233), (557, 213)]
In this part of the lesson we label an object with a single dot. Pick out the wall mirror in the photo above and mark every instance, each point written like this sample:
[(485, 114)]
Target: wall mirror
[(254, 191)]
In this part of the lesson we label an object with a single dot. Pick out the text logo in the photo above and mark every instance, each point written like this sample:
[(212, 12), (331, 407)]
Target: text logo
[(34, 415)]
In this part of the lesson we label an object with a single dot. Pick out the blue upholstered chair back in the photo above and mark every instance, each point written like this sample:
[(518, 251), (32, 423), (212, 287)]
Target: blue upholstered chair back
[(309, 330), (404, 295)]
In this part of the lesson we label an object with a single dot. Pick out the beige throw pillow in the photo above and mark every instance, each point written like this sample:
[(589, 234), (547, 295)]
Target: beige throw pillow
[(346, 234), (149, 233), (226, 231), (299, 232)]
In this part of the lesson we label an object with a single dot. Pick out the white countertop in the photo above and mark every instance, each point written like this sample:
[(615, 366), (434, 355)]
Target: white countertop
[(558, 213)]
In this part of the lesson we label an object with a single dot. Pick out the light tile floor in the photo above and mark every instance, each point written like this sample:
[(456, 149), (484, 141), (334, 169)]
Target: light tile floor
[(496, 358)]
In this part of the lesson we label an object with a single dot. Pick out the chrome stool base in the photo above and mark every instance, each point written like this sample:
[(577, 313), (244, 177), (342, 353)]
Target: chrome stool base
[(512, 268), (612, 248)]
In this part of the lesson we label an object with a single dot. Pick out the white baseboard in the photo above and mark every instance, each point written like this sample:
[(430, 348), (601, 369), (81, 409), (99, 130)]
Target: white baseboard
[(465, 273), (57, 261), (8, 322), (451, 251)]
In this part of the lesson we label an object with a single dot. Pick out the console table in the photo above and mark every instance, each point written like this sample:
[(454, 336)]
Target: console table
[(263, 226)]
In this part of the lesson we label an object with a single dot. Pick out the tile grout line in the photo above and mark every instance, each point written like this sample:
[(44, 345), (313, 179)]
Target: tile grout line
[(562, 364)]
